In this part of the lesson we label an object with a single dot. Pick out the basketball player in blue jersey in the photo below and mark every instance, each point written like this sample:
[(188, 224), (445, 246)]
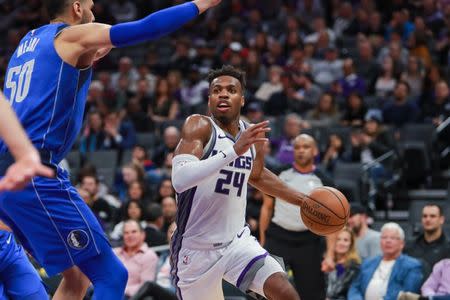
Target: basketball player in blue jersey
[(18, 278), (46, 82), (213, 162)]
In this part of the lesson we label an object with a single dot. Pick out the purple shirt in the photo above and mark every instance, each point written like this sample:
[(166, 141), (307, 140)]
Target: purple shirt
[(285, 153), (438, 284)]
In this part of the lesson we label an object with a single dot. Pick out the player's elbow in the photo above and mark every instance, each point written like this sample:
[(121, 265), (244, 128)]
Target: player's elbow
[(177, 184)]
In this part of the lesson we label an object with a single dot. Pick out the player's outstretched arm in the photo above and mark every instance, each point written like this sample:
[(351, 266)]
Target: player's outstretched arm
[(270, 184), (28, 163), (80, 39), (187, 168)]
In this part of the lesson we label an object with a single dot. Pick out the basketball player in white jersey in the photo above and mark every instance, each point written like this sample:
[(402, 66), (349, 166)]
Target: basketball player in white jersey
[(213, 162)]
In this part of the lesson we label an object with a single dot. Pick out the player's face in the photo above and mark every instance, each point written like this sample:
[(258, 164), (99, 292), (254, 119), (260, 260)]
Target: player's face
[(304, 152), (132, 236), (343, 243), (431, 219), (225, 98)]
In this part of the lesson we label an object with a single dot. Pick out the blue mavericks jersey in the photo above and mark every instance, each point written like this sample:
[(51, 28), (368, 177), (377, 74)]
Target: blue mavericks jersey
[(47, 94)]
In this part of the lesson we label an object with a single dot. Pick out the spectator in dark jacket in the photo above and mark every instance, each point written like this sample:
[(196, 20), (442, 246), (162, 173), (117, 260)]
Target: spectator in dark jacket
[(400, 111), (432, 245)]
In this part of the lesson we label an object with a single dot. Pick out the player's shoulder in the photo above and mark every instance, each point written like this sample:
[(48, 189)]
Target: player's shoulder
[(197, 125)]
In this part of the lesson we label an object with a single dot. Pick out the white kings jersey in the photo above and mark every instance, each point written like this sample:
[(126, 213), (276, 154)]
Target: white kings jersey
[(213, 212)]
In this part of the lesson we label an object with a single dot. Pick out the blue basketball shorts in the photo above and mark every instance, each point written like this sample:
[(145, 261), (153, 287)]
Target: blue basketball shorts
[(52, 222)]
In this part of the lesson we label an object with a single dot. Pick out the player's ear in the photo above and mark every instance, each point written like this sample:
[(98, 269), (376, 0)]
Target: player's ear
[(242, 101), (77, 9)]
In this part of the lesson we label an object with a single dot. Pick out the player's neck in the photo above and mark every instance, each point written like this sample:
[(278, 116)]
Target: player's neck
[(231, 127), (63, 19)]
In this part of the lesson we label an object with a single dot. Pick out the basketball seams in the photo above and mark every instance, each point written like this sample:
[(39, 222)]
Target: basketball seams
[(342, 218), (340, 201)]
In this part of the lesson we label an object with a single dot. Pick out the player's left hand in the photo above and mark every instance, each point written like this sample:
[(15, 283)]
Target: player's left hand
[(22, 171), (328, 264)]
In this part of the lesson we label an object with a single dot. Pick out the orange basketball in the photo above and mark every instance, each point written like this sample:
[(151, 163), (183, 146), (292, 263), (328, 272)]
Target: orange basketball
[(325, 210)]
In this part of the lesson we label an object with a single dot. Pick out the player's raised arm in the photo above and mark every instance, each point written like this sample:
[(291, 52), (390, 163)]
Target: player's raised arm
[(92, 36), (187, 168), (28, 163)]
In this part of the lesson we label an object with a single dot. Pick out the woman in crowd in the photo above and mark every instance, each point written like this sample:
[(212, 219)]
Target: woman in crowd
[(347, 266)]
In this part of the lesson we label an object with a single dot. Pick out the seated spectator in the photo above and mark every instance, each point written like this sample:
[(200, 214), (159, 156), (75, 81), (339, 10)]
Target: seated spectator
[(436, 287), (139, 156), (437, 109), (432, 245), (93, 135), (165, 189), (137, 192), (163, 288), (347, 266), (169, 211), (355, 110), (333, 153), (327, 71), (385, 83), (268, 88), (351, 82), (307, 93), (130, 173), (100, 206), (414, 76), (368, 145), (367, 239), (154, 224), (140, 261), (255, 113), (120, 133), (283, 147), (171, 137), (163, 106), (400, 111), (131, 211), (326, 112), (384, 276)]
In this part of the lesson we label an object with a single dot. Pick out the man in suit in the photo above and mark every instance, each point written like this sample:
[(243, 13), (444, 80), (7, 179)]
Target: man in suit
[(384, 276)]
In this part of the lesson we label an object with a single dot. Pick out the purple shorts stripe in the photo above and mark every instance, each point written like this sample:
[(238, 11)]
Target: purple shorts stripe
[(184, 201), (249, 265)]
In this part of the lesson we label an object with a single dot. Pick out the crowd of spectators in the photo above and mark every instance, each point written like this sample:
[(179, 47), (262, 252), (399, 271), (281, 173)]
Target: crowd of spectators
[(370, 67)]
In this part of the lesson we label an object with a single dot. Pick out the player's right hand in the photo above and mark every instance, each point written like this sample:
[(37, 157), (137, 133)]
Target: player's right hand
[(22, 171), (251, 135)]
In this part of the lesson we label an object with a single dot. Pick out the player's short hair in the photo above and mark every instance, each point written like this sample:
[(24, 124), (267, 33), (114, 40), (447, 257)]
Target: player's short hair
[(55, 8), (228, 70)]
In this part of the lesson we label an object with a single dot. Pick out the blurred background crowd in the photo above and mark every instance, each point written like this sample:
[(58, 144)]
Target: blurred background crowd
[(369, 80)]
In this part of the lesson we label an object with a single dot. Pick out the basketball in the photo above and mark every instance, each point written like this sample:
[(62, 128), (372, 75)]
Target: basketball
[(325, 210)]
